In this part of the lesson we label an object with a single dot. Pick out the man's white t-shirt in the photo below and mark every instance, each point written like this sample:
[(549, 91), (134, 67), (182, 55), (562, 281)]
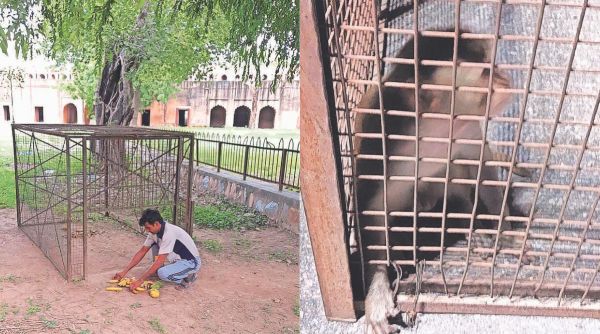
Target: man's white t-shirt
[(174, 241)]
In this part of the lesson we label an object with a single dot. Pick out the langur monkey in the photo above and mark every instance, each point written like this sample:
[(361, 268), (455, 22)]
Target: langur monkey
[(399, 109)]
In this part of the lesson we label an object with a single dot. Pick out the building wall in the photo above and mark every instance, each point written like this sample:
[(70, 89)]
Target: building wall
[(200, 97), (40, 89)]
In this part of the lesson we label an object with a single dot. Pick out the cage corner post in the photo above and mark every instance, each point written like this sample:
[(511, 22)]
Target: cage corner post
[(177, 177), (84, 202), (190, 176), (16, 168), (320, 177), (69, 271)]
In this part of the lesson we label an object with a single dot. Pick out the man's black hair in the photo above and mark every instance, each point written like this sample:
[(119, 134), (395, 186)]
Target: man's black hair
[(150, 216)]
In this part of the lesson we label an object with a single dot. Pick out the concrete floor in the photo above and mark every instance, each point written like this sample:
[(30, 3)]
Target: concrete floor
[(313, 321)]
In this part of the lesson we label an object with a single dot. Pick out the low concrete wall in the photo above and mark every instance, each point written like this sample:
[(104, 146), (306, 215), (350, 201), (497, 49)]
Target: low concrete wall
[(282, 207)]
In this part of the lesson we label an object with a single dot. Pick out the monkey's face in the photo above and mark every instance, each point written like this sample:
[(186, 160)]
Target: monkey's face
[(471, 95)]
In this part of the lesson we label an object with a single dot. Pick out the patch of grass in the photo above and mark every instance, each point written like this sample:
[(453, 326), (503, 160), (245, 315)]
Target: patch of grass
[(7, 183), (213, 246), (33, 308), (9, 278), (283, 256), (135, 305), (3, 311), (227, 215), (242, 242), (157, 326), (95, 217), (49, 323), (296, 308), (85, 331)]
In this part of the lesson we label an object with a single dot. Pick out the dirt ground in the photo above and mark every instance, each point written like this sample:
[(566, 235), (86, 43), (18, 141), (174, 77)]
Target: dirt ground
[(250, 285)]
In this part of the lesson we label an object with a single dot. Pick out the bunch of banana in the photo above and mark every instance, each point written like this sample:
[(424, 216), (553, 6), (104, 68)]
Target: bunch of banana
[(125, 282), (145, 285)]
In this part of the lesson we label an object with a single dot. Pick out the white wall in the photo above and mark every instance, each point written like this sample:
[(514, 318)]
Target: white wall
[(40, 92)]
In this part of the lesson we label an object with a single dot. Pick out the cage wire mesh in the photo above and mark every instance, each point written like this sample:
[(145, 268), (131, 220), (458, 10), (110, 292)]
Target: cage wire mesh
[(549, 52), (66, 174)]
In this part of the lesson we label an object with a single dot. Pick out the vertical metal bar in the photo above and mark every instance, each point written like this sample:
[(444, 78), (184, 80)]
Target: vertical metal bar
[(260, 161), (450, 136), (488, 104), (593, 279), (104, 145), (551, 141), (189, 204), (69, 223), (386, 22), (514, 154), (246, 157), (382, 112), (417, 113), (197, 142), (274, 157), (582, 239), (239, 158), (219, 152), (547, 157), (16, 164), (84, 163), (177, 177), (282, 168)]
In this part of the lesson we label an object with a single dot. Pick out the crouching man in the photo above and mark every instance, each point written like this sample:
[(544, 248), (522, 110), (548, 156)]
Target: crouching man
[(172, 244)]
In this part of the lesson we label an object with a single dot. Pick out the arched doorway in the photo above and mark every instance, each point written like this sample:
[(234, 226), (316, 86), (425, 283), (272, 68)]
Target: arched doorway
[(266, 118), (217, 117), (70, 113), (241, 117)]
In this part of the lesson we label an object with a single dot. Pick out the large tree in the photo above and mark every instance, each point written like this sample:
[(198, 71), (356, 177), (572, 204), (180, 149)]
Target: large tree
[(140, 50)]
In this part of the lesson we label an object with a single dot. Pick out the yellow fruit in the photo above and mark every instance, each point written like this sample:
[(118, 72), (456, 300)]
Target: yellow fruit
[(125, 282), (113, 288), (154, 293), (139, 288)]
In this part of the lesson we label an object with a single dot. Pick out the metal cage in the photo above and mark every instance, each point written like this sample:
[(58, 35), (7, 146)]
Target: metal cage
[(65, 174), (548, 53)]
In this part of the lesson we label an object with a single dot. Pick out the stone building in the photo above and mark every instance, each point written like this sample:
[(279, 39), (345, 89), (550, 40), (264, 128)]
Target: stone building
[(39, 99), (227, 103)]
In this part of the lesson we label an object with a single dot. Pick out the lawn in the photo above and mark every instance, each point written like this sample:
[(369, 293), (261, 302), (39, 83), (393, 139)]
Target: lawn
[(263, 164), (272, 135)]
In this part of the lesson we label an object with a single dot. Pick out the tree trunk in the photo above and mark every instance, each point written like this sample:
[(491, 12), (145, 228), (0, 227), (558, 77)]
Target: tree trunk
[(114, 96), (253, 111)]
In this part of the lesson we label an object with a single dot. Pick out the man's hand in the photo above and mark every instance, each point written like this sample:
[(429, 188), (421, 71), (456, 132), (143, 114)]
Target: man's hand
[(135, 284), (120, 275)]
